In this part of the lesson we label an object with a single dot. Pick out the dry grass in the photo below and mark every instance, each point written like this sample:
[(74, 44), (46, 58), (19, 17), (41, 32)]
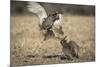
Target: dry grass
[(28, 47)]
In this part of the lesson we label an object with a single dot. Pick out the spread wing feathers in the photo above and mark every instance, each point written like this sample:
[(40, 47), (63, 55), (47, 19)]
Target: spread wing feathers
[(37, 9)]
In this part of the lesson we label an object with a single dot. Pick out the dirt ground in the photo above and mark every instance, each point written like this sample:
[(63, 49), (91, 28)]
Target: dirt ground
[(28, 47)]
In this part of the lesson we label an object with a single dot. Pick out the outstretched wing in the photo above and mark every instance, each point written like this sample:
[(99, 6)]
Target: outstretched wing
[(37, 9)]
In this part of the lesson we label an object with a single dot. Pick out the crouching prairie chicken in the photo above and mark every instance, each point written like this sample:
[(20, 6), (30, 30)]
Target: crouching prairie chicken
[(70, 49)]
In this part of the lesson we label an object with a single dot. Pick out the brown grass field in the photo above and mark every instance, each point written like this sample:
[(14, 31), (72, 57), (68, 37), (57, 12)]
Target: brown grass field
[(28, 47)]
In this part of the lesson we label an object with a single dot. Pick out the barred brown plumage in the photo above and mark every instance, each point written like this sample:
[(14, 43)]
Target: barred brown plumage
[(70, 49)]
